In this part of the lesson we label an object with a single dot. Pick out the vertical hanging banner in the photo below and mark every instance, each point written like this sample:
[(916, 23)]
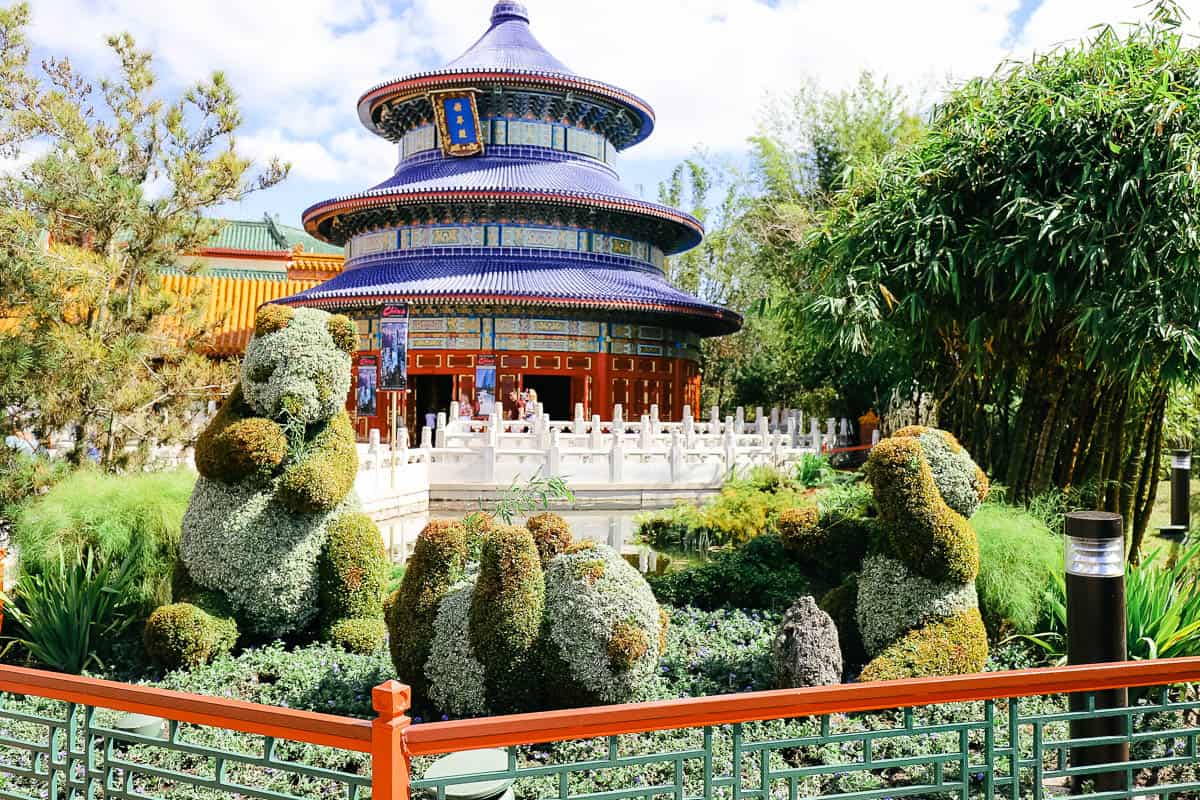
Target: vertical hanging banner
[(485, 384), (393, 347), (366, 370)]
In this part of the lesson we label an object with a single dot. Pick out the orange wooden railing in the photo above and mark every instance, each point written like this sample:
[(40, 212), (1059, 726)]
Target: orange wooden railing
[(392, 740)]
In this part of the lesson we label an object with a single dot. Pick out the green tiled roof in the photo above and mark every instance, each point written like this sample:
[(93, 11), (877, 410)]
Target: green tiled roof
[(265, 236)]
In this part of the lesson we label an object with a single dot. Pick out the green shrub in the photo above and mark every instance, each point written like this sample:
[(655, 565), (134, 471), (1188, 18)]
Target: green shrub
[(363, 635), (551, 534), (760, 574), (506, 615), (438, 561), (23, 476), (1018, 562), (825, 540), (236, 444), (343, 331), (921, 529), (65, 615), (325, 475), (263, 558), (952, 646), (271, 318), (119, 517), (455, 676), (841, 604), (184, 636), (601, 629), (961, 483), (893, 600), (678, 526), (353, 571), (1162, 609), (814, 470)]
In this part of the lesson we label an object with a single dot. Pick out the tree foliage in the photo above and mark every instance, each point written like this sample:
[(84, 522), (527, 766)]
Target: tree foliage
[(808, 147), (113, 192), (1035, 255)]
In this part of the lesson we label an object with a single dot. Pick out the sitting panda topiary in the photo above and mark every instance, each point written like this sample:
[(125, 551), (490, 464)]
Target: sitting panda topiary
[(272, 537)]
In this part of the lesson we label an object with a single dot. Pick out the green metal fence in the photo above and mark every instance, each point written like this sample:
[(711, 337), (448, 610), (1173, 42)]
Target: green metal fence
[(999, 735)]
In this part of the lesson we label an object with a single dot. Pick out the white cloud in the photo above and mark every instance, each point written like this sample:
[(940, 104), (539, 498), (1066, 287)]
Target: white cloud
[(705, 65)]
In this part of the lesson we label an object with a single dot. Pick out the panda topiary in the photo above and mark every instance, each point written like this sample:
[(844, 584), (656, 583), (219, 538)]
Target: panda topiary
[(272, 537)]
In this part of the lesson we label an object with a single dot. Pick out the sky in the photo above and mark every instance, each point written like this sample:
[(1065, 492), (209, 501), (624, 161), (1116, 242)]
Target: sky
[(707, 66)]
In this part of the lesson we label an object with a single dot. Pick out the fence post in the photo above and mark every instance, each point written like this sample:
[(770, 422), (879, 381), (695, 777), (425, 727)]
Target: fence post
[(646, 433), (597, 440), (554, 455), (439, 435), (616, 460), (389, 757), (740, 420)]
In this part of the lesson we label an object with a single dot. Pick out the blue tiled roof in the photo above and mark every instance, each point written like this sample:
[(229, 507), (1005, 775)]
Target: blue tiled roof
[(571, 178), (511, 280), (509, 44)]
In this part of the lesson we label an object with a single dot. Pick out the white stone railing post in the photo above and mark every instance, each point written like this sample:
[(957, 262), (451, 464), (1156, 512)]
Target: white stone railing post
[(580, 420), (776, 449), (763, 431), (875, 437), (740, 420), (616, 460), (714, 421), (488, 454), (645, 434), (654, 418), (689, 428), (730, 447), (439, 436), (596, 441), (676, 457), (618, 418), (814, 434), (792, 434), (831, 431), (774, 418), (455, 410), (543, 436), (426, 437), (554, 455)]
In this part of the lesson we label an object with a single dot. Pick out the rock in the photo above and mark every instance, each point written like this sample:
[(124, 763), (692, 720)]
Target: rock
[(805, 651)]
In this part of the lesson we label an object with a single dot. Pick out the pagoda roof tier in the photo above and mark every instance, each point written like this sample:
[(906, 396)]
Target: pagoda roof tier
[(516, 282), (508, 55), (561, 183)]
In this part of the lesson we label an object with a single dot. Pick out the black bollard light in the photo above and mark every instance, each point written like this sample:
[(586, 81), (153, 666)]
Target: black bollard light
[(1095, 565)]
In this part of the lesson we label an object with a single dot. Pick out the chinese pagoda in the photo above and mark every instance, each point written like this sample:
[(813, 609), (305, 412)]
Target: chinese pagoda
[(507, 244)]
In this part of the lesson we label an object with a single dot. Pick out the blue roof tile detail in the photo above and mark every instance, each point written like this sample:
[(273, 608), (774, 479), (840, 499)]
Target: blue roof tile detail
[(569, 178), (510, 47), (513, 280), (509, 44)]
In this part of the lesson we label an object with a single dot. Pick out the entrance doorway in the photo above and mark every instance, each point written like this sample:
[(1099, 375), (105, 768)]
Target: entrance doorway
[(553, 392), (430, 395)]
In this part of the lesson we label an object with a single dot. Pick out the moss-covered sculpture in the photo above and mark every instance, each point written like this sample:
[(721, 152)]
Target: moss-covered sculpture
[(539, 622), (917, 608), (271, 532)]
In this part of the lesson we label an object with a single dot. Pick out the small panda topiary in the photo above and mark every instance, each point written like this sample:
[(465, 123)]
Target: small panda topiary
[(538, 622), (271, 532)]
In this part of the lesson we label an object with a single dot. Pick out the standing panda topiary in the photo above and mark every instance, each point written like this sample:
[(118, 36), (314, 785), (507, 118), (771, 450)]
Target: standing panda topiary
[(272, 537), (538, 622), (917, 609)]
